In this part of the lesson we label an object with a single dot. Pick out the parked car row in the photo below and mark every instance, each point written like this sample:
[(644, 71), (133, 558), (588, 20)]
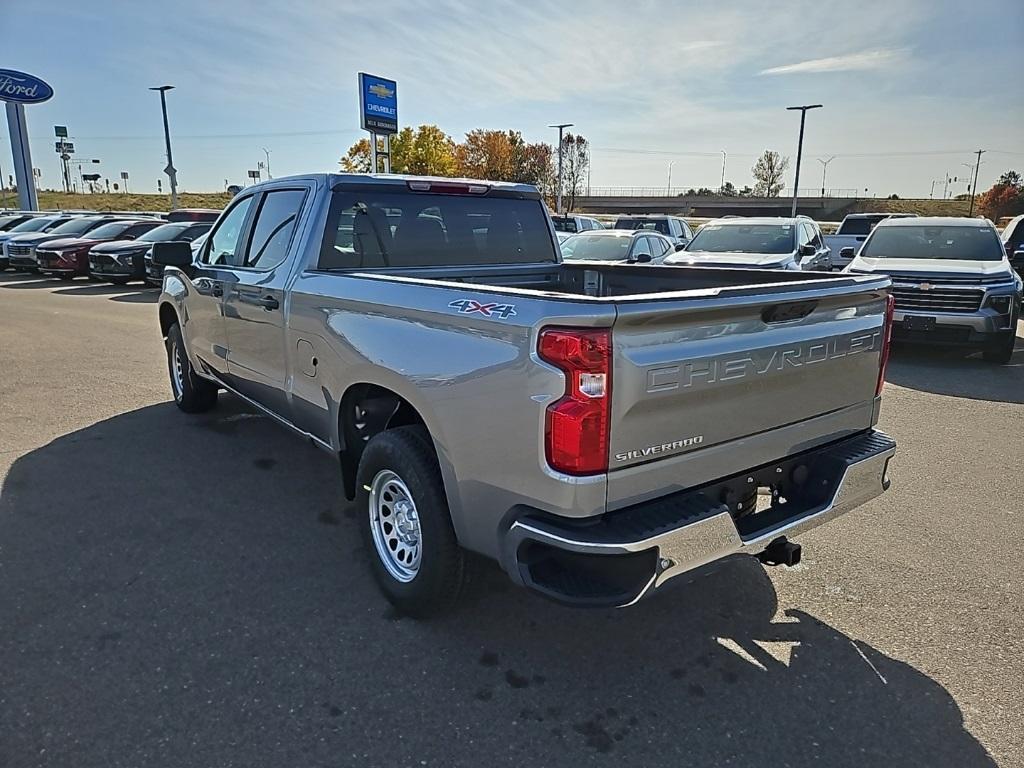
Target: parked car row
[(956, 282), (762, 243), (111, 247)]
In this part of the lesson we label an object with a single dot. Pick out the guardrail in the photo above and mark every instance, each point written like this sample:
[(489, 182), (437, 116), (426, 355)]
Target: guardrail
[(682, 192)]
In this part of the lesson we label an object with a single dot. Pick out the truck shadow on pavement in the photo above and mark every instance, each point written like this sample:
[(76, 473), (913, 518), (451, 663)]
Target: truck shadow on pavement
[(192, 590), (957, 372)]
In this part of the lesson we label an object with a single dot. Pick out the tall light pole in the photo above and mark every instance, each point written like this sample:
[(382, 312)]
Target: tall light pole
[(721, 189), (172, 173), (558, 200), (974, 186), (800, 150), (668, 191), (824, 167), (267, 153)]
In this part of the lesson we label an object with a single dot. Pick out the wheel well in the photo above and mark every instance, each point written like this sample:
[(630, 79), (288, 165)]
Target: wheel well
[(168, 317), (367, 410)]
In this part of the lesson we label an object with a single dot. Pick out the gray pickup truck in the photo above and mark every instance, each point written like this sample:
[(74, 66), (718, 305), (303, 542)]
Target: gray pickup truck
[(596, 429)]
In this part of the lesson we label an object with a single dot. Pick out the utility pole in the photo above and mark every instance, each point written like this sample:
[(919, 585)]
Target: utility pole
[(974, 187), (824, 167), (172, 173), (668, 191), (800, 149), (267, 153), (561, 127), (721, 188)]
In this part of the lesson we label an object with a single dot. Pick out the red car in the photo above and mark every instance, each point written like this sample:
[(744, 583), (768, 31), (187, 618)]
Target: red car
[(68, 257)]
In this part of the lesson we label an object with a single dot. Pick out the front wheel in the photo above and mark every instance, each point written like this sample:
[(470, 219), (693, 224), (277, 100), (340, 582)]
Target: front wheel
[(1002, 350), (192, 393), (407, 529)]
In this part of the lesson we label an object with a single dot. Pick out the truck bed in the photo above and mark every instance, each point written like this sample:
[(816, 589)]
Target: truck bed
[(623, 282)]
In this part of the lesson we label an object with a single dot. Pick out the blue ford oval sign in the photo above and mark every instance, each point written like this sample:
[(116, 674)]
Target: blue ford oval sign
[(23, 88)]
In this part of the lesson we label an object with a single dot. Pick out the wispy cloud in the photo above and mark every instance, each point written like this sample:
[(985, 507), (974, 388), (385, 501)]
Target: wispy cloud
[(864, 60)]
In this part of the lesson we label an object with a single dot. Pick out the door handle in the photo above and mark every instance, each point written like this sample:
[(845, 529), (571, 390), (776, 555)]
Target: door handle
[(267, 301)]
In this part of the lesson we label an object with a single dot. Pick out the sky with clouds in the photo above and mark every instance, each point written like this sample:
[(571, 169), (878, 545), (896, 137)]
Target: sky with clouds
[(910, 87)]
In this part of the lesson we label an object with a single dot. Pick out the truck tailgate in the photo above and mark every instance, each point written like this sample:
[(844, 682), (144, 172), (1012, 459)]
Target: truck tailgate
[(703, 389)]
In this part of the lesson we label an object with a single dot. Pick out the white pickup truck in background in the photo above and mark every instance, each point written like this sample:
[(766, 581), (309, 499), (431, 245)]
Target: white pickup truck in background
[(853, 231)]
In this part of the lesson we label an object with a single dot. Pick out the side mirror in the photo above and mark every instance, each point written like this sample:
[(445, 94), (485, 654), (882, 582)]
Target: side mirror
[(681, 246), (846, 253), (173, 253), (643, 258), (807, 250)]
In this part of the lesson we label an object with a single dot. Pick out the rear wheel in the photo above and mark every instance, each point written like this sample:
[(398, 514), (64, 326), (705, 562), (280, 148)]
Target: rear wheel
[(192, 393), (1001, 350), (407, 529)]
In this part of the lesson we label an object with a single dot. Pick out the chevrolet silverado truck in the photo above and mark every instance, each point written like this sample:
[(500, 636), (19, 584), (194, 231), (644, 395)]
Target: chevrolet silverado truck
[(952, 282), (596, 429), (853, 231)]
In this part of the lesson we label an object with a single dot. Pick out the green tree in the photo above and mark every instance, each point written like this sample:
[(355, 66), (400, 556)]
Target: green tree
[(357, 159), (767, 172), (427, 151)]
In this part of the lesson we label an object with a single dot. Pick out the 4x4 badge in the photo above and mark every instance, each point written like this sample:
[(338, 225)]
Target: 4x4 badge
[(493, 309)]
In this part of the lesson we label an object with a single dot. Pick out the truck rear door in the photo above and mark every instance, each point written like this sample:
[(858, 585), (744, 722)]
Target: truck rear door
[(706, 388)]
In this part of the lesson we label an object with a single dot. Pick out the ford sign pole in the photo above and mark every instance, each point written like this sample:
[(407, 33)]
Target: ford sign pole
[(172, 173), (19, 89)]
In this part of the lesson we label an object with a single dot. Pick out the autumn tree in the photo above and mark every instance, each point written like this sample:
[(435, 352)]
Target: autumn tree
[(503, 156), (575, 164), (767, 172), (485, 154), (1005, 198)]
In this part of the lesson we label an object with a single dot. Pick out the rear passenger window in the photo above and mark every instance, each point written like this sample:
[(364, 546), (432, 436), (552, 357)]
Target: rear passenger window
[(274, 227)]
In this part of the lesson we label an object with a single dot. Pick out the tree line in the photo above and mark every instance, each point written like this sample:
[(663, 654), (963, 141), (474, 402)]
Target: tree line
[(483, 154)]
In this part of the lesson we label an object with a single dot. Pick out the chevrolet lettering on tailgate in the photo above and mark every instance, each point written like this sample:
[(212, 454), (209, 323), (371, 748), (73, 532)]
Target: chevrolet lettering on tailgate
[(710, 370)]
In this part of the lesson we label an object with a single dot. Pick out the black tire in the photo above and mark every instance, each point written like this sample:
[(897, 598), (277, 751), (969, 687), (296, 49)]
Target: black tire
[(438, 582), (192, 393), (1002, 350)]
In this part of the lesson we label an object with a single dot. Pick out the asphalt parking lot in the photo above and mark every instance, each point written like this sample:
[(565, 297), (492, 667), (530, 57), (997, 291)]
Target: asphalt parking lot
[(182, 591)]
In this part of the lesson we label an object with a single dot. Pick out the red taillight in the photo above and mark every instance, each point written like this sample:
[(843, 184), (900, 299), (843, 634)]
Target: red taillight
[(890, 304), (576, 425)]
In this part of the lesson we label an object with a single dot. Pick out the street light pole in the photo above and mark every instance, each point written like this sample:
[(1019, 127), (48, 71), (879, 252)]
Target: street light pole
[(558, 198), (172, 173), (668, 191), (824, 167), (974, 187), (721, 188), (800, 149), (267, 153)]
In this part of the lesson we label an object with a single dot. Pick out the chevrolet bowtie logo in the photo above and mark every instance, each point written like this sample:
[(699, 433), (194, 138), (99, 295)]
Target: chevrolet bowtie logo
[(925, 286), (381, 91)]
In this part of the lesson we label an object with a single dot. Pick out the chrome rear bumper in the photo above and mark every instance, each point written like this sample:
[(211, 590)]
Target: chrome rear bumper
[(629, 554)]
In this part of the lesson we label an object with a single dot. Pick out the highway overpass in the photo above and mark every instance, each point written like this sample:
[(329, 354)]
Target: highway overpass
[(823, 208)]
